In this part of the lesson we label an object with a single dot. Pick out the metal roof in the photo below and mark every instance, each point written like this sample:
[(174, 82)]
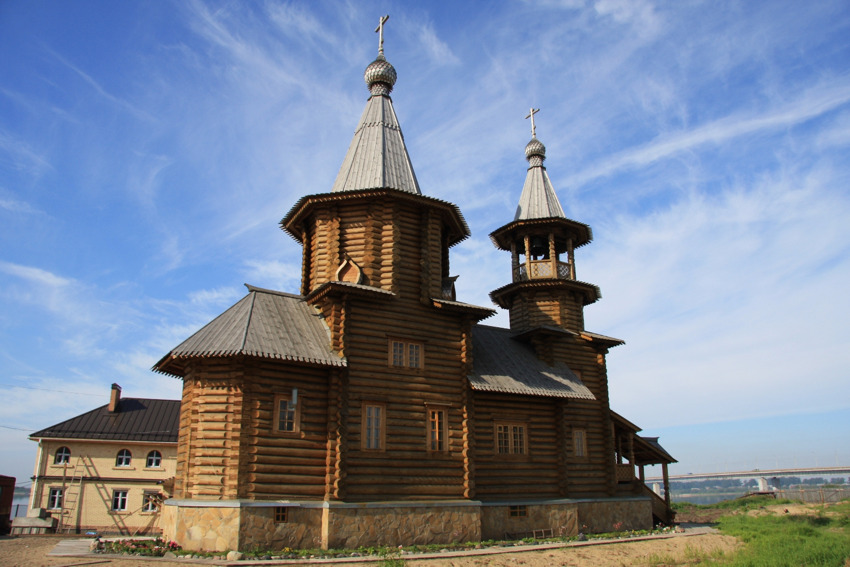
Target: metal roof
[(377, 156), (136, 419), (264, 323), (503, 364)]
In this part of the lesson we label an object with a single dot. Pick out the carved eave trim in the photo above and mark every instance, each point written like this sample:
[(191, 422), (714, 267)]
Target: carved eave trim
[(502, 296), (292, 222), (544, 331), (347, 289), (478, 312), (503, 236), (175, 365)]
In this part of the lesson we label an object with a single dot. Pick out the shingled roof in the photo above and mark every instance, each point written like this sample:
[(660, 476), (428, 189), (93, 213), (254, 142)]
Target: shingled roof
[(136, 419), (503, 364), (264, 323)]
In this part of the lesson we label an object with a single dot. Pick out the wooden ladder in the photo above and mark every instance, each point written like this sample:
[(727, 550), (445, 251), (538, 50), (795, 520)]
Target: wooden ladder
[(70, 499)]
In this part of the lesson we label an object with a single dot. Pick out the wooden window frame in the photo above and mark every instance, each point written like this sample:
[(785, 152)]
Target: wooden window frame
[(518, 511), (512, 451), (281, 514), (151, 501), (579, 443), (382, 427), (405, 354), (153, 461), (296, 424), (442, 428), (124, 459)]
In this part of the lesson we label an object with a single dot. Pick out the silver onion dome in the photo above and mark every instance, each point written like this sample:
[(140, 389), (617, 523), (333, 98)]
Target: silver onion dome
[(535, 149), (380, 76)]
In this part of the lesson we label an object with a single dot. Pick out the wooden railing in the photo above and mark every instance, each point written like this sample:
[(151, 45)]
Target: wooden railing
[(542, 269), (625, 473)]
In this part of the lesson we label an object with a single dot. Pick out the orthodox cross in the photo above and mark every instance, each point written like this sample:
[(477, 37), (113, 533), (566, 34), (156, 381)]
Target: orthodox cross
[(531, 115), (380, 31)]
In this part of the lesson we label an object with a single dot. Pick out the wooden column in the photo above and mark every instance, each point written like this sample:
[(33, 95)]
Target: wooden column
[(553, 256), (666, 484), (514, 263), (571, 258), (527, 257)]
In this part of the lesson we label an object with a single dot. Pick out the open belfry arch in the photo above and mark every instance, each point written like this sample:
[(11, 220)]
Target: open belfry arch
[(373, 407)]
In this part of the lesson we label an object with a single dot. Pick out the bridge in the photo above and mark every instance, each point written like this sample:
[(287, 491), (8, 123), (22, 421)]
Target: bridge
[(760, 473)]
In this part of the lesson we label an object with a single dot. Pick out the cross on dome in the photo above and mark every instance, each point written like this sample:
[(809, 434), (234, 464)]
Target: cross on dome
[(380, 31), (531, 115)]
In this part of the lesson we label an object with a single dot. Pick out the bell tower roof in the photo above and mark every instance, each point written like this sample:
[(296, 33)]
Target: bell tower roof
[(538, 199), (377, 157)]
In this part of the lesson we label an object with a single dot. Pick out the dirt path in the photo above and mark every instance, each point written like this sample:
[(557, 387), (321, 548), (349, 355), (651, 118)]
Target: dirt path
[(31, 551)]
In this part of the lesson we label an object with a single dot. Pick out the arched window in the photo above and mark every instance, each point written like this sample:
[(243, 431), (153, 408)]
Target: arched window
[(154, 460), (124, 458), (63, 455)]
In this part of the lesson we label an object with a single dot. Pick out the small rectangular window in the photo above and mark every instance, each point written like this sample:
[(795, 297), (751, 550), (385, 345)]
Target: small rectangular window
[(372, 426), (405, 354), (437, 430), (281, 514), (54, 499), (510, 438), (151, 502), (287, 414), (119, 500), (518, 511), (579, 443)]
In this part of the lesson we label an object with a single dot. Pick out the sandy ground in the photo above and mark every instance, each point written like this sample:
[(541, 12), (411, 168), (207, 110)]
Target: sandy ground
[(31, 551)]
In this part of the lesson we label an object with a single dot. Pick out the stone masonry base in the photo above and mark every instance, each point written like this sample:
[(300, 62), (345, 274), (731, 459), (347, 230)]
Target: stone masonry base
[(246, 525)]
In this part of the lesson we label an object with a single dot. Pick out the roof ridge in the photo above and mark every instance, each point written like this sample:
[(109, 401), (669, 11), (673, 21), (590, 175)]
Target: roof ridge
[(272, 291)]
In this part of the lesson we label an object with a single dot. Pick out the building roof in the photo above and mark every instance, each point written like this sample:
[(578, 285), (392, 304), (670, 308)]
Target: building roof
[(503, 364), (538, 199), (377, 156), (264, 323), (136, 419)]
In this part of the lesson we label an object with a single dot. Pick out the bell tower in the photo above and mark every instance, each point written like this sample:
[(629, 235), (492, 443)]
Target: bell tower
[(544, 292)]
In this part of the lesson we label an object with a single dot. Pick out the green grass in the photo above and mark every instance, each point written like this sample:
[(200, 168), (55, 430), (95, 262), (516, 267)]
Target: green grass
[(789, 540)]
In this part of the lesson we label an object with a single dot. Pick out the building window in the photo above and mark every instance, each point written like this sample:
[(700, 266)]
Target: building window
[(119, 500), (405, 354), (62, 456), (154, 460), (579, 443), (124, 458), (281, 514), (287, 414), (437, 430), (54, 499), (518, 511), (151, 502), (511, 439), (373, 426)]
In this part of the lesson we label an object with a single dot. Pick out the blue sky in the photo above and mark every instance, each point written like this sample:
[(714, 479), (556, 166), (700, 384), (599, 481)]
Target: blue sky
[(149, 149)]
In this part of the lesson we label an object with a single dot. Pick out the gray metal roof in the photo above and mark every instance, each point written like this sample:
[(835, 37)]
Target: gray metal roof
[(377, 156), (137, 419), (503, 364), (264, 323), (538, 199)]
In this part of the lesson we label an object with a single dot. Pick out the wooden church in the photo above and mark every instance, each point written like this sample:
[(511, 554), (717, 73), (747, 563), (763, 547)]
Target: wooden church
[(372, 408)]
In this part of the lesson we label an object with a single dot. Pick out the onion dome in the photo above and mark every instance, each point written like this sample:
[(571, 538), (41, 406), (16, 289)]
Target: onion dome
[(535, 152), (380, 76)]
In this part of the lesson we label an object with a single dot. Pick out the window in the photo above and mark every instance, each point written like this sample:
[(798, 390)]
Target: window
[(281, 514), (437, 430), (54, 499), (287, 413), (119, 500), (372, 426), (518, 511), (579, 443), (124, 458), (62, 456), (154, 460), (510, 439), (405, 354), (151, 502)]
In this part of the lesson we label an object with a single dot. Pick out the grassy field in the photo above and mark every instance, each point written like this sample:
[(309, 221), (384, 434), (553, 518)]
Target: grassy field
[(774, 534)]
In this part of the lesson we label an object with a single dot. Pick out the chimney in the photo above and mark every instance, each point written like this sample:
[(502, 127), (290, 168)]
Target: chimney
[(114, 398)]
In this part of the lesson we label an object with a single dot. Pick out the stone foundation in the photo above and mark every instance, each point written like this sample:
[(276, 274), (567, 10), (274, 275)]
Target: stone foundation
[(245, 525)]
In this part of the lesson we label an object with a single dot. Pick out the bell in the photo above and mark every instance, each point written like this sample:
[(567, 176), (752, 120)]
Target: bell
[(539, 246)]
